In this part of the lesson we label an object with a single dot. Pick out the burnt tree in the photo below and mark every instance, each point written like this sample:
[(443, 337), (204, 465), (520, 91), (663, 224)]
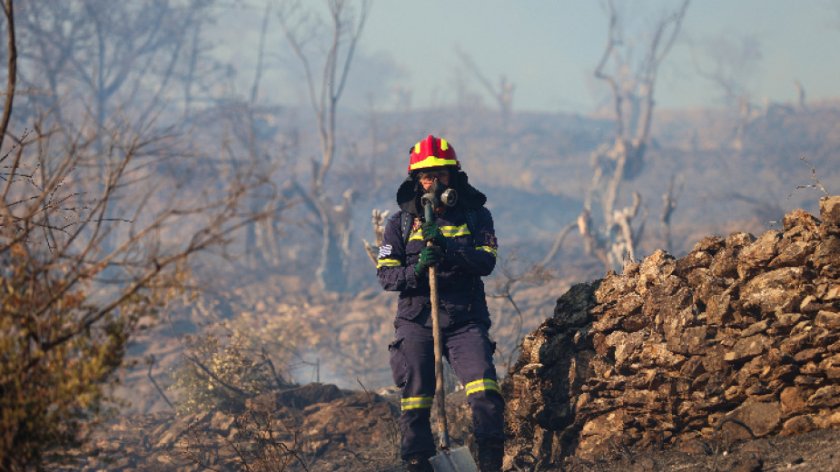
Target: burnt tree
[(608, 229), (326, 76)]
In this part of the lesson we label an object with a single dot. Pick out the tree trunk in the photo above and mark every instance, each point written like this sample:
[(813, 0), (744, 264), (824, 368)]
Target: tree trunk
[(331, 272)]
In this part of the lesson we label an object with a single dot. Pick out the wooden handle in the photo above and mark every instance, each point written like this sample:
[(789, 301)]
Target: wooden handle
[(440, 394)]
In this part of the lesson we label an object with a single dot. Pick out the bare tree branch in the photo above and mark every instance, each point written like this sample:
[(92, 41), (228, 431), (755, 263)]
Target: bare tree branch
[(633, 87), (558, 242), (11, 78), (503, 95), (324, 95), (150, 360), (669, 204)]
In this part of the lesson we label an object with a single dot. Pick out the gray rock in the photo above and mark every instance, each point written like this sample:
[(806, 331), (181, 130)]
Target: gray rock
[(741, 336)]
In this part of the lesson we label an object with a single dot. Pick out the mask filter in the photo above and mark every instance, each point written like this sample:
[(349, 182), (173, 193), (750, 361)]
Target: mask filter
[(440, 194), (449, 197)]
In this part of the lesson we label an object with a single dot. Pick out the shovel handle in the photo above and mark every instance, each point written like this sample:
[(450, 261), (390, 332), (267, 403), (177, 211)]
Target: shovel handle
[(440, 394)]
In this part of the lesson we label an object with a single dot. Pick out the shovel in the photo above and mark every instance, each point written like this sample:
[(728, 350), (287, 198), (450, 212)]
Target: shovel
[(447, 460)]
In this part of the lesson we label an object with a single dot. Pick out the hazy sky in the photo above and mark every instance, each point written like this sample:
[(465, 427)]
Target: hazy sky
[(548, 49)]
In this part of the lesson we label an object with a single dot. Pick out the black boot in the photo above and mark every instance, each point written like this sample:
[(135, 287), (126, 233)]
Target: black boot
[(418, 464), (490, 454)]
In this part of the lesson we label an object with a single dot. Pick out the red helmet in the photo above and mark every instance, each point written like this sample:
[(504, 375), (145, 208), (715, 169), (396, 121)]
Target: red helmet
[(432, 152)]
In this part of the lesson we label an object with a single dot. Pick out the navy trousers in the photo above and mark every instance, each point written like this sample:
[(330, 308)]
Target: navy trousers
[(469, 351)]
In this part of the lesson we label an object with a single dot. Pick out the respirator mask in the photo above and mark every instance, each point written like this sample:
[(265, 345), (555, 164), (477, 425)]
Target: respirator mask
[(439, 194)]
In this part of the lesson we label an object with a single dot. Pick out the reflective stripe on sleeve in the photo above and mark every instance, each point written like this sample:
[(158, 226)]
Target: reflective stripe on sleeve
[(388, 263), (489, 249), (415, 403), (482, 385)]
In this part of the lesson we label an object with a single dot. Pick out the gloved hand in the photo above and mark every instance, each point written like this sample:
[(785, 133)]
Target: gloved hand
[(429, 256), (431, 232)]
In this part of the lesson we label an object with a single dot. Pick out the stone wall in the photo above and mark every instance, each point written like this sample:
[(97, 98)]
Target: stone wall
[(740, 338)]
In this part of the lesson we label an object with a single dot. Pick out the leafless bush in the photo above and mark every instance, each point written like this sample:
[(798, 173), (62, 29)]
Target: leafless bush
[(225, 388), (223, 374), (86, 256)]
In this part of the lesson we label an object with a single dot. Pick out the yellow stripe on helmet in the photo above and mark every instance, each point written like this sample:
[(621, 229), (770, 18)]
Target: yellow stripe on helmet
[(433, 161)]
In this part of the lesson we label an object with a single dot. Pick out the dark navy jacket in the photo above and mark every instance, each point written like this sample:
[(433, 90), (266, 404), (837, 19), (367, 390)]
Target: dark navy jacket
[(470, 254)]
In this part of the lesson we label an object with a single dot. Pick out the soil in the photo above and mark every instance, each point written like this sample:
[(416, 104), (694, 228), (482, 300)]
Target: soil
[(147, 442), (813, 451)]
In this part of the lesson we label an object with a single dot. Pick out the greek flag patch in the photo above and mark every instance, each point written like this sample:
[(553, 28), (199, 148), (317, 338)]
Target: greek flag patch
[(385, 251)]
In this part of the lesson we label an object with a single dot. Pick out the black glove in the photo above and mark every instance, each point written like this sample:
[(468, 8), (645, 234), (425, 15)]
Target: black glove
[(431, 232), (429, 256)]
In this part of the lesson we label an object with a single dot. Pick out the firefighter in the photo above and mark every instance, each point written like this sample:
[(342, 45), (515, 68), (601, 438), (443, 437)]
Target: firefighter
[(463, 250)]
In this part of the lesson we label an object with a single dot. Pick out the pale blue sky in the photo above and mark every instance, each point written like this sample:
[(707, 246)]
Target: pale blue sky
[(548, 49)]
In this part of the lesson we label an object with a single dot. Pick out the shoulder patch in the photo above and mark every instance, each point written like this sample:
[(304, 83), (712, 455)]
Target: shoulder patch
[(385, 251)]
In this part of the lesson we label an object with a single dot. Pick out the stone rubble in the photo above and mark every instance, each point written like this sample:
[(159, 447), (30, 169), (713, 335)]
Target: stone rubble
[(739, 339)]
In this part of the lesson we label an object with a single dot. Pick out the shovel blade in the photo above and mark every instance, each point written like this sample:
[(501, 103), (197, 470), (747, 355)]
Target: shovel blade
[(454, 460)]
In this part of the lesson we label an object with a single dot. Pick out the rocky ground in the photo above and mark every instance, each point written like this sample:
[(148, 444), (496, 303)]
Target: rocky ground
[(309, 427), (355, 431), (727, 359)]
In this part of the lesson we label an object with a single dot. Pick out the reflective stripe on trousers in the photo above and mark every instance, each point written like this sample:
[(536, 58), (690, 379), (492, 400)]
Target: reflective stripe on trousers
[(470, 353)]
